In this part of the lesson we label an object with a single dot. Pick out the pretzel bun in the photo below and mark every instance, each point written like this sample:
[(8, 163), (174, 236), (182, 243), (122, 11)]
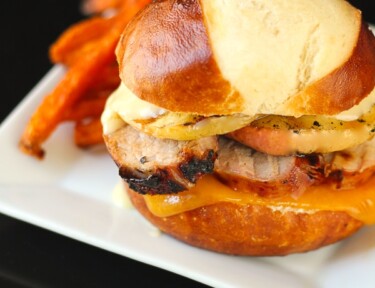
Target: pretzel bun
[(250, 229), (253, 57), (188, 65)]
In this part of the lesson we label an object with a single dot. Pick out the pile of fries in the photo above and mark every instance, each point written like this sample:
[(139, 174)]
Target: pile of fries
[(87, 49)]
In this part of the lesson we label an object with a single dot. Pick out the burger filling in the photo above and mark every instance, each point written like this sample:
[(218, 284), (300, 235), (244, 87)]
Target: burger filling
[(271, 157)]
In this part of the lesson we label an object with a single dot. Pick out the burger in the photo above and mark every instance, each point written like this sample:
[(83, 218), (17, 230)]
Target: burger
[(246, 127)]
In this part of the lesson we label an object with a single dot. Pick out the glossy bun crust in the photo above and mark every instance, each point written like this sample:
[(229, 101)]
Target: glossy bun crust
[(215, 57), (252, 230)]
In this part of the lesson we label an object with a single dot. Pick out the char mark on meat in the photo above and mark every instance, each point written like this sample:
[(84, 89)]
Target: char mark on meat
[(160, 166), (195, 168), (160, 182)]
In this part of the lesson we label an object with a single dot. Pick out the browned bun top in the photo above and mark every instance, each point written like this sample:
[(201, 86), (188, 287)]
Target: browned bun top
[(211, 57), (165, 58), (346, 86), (252, 230)]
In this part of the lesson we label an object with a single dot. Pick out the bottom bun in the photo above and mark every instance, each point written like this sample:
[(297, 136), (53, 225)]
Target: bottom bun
[(251, 230)]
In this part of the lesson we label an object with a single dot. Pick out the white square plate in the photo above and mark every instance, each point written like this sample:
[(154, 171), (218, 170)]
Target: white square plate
[(70, 192)]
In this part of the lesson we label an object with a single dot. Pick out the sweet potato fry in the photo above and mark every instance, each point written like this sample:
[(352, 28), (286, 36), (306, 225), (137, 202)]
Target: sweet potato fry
[(78, 39), (51, 111), (77, 81), (98, 6), (87, 108), (93, 102), (87, 134)]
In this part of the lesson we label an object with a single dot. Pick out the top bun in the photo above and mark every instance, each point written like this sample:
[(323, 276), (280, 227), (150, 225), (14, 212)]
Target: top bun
[(217, 57)]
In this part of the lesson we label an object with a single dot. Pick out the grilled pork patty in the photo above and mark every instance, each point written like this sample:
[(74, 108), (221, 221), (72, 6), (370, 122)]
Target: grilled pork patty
[(245, 169), (158, 166)]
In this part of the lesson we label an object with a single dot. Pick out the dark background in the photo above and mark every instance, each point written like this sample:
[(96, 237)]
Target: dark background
[(31, 256)]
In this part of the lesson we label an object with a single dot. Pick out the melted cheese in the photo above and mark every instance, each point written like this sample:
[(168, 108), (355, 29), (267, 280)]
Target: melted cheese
[(123, 106), (358, 203)]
